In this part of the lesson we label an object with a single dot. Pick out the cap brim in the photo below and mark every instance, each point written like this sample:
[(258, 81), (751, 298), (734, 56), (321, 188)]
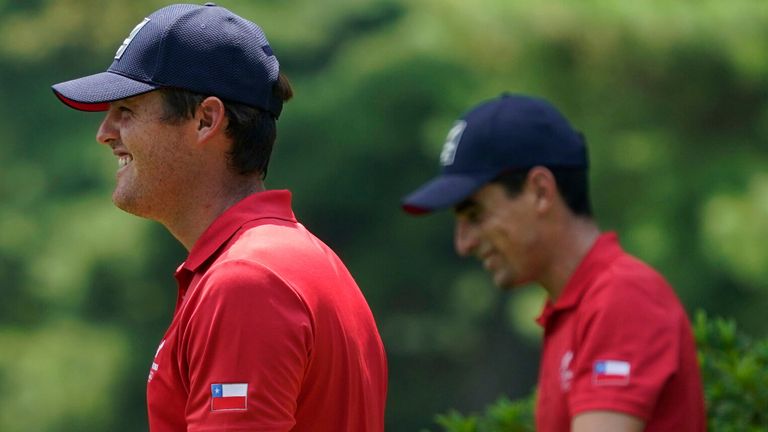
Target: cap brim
[(95, 92), (443, 192)]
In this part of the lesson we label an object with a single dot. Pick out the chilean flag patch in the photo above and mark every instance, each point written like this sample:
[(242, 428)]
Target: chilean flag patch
[(610, 372), (228, 397)]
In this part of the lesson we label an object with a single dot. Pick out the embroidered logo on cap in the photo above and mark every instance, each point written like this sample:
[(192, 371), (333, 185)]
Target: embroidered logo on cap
[(130, 37), (229, 397), (452, 143)]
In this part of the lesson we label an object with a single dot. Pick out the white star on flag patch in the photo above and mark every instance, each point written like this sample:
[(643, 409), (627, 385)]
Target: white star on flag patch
[(228, 397), (610, 372)]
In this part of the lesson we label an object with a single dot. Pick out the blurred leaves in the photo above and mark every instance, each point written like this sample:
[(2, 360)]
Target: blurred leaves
[(501, 416), (64, 377), (735, 230), (735, 368)]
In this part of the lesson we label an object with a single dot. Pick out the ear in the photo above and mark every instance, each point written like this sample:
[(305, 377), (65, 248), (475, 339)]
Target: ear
[(210, 119), (541, 184)]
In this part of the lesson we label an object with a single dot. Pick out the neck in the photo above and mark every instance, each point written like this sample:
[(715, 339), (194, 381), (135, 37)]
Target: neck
[(188, 224), (569, 246)]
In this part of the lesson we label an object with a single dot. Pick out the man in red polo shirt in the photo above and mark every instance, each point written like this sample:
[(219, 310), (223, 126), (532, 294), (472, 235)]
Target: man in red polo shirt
[(270, 331), (618, 351)]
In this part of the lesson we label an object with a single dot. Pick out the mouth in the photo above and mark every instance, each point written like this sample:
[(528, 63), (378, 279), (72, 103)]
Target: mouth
[(123, 157), (124, 160), (488, 264), (487, 260)]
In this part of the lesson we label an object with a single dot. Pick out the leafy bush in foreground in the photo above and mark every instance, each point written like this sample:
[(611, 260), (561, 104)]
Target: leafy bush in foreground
[(734, 369)]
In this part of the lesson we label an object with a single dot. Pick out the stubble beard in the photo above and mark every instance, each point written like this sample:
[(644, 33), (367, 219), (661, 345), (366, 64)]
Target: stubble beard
[(131, 203), (133, 196), (504, 280)]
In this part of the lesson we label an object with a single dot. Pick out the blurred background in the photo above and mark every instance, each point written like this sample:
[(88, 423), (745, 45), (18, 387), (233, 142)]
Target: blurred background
[(672, 96)]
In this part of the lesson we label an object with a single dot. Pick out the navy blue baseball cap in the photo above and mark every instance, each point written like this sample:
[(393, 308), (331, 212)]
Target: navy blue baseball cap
[(205, 49), (503, 134)]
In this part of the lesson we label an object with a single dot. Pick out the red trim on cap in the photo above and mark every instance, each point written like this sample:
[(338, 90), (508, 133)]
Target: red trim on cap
[(414, 210), (82, 106)]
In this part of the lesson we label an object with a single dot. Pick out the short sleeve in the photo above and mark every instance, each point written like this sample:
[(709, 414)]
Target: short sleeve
[(247, 345), (627, 346)]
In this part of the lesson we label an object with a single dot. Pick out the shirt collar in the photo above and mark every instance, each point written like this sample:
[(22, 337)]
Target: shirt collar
[(605, 249), (273, 204)]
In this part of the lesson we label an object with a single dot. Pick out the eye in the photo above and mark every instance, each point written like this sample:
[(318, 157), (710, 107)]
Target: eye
[(472, 214), (123, 112)]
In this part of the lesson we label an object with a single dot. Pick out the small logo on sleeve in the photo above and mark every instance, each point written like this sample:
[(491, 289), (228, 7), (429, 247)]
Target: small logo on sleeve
[(229, 397), (155, 366), (566, 374), (610, 372)]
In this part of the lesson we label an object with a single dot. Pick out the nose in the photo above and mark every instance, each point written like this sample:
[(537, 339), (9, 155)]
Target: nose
[(107, 131), (465, 237)]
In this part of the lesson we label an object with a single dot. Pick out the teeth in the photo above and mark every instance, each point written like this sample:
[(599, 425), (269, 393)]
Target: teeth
[(124, 160)]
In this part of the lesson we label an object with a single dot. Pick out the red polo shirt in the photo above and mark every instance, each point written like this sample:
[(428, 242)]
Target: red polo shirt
[(618, 339), (270, 333)]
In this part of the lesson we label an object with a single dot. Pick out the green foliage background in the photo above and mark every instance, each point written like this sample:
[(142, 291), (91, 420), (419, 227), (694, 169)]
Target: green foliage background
[(671, 94)]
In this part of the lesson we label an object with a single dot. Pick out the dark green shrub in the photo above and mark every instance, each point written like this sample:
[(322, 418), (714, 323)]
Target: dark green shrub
[(734, 369), (735, 372), (502, 415)]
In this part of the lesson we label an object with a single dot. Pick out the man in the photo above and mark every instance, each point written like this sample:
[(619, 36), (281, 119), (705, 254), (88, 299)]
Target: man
[(270, 331), (618, 352)]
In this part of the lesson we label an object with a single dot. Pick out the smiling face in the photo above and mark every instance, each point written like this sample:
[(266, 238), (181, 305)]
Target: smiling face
[(156, 164), (502, 232)]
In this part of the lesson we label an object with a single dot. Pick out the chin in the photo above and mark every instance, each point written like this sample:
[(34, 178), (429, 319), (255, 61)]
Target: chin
[(505, 283), (508, 282), (128, 205), (121, 201)]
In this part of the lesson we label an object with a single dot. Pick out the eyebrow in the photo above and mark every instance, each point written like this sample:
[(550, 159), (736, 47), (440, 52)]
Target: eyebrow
[(131, 100), (122, 102)]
